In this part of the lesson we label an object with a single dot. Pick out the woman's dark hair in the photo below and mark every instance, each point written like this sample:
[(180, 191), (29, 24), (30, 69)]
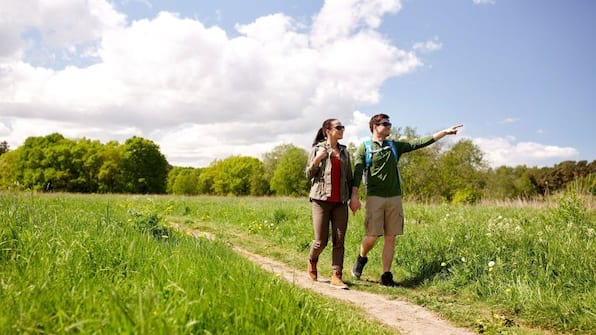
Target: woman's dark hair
[(376, 119), (321, 136)]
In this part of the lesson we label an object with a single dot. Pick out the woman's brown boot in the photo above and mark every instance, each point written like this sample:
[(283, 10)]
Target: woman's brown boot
[(336, 281), (312, 269)]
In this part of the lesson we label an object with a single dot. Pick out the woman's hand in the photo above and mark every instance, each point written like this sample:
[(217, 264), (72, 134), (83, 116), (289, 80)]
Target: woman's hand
[(321, 155)]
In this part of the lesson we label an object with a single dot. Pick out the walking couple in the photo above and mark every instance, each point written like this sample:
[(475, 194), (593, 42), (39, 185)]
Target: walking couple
[(334, 188)]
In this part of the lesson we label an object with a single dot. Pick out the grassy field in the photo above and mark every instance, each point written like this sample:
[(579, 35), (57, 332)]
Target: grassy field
[(110, 264), (105, 265)]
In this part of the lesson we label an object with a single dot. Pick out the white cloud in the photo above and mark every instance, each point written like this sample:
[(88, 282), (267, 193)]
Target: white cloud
[(17, 130), (484, 2), (510, 120), (357, 130), (506, 151), (428, 46), (59, 23), (195, 91), (339, 19)]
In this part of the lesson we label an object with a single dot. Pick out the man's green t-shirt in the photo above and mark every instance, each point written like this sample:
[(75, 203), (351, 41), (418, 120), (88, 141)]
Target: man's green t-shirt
[(382, 177)]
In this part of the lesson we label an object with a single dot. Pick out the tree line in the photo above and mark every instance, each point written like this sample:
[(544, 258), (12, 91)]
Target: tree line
[(456, 173), (55, 163)]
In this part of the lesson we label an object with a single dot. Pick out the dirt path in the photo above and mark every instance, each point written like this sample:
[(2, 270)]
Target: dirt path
[(406, 317)]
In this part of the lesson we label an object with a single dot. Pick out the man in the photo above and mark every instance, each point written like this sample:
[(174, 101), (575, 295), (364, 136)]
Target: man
[(384, 213)]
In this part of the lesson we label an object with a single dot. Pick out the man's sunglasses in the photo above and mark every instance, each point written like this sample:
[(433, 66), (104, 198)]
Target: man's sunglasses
[(386, 124)]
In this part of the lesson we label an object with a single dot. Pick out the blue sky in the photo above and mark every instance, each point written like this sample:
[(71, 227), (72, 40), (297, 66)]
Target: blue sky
[(211, 79)]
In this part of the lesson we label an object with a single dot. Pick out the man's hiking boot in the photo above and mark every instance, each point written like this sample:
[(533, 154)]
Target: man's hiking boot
[(359, 266), (312, 269), (387, 279)]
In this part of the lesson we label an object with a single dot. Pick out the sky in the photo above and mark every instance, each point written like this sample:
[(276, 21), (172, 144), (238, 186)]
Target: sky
[(207, 80)]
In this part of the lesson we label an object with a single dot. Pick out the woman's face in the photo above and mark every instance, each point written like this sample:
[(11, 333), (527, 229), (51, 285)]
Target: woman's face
[(336, 130)]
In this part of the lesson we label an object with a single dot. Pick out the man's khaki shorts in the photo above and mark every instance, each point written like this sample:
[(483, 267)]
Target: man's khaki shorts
[(384, 216)]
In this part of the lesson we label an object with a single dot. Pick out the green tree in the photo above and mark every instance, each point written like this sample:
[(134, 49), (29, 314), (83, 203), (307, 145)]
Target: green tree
[(582, 185), (562, 173), (8, 167), (185, 180), (271, 159), (522, 183), (238, 175), (85, 164), (420, 174), (259, 184), (43, 162), (500, 183), (207, 178), (461, 172), (419, 169), (172, 175), (507, 182), (539, 180), (4, 148), (110, 176), (548, 180), (56, 163), (145, 168), (288, 178), (352, 150), (404, 133)]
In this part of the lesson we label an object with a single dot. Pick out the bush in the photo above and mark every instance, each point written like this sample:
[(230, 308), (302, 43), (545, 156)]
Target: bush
[(466, 196)]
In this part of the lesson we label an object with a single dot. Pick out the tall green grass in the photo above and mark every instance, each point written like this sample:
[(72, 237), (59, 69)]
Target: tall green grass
[(110, 265), (530, 264), (518, 266)]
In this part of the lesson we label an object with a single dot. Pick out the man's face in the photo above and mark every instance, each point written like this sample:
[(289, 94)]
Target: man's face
[(383, 127)]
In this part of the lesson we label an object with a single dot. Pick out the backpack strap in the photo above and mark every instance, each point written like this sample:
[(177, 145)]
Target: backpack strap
[(394, 149), (369, 151)]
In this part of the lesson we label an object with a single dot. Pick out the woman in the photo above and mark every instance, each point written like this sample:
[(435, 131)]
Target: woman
[(329, 169)]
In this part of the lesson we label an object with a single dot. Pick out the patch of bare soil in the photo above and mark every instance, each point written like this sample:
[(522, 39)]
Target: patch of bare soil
[(406, 317)]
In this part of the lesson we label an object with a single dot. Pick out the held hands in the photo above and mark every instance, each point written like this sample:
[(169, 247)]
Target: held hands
[(354, 205)]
